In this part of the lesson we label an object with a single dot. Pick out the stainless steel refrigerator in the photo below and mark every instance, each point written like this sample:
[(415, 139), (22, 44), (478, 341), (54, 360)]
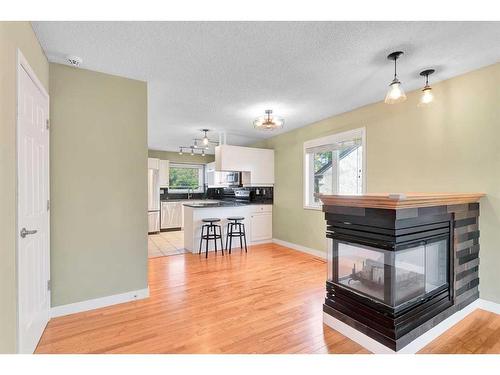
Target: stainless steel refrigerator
[(153, 200)]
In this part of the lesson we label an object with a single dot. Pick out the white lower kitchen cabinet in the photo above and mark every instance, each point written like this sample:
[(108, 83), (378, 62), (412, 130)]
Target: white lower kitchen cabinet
[(171, 215), (261, 226)]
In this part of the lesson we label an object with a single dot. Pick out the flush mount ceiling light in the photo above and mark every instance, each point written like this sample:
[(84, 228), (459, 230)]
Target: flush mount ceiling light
[(268, 121), (427, 95), (395, 94)]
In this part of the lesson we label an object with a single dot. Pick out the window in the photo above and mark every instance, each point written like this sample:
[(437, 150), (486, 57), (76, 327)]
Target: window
[(184, 177), (333, 165)]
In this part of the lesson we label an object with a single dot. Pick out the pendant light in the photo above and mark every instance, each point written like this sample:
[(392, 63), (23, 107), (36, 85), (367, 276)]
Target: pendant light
[(427, 96), (192, 150), (202, 152), (180, 151), (268, 121), (205, 139), (395, 94)]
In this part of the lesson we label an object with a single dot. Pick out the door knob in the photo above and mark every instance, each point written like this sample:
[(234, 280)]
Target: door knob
[(25, 232)]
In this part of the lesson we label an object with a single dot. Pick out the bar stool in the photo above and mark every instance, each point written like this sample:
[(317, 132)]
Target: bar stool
[(211, 227), (233, 223)]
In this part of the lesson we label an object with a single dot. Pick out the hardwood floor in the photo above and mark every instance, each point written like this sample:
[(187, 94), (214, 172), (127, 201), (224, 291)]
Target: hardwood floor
[(478, 333), (266, 301)]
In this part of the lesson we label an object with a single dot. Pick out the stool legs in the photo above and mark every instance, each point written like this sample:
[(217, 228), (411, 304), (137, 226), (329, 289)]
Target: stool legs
[(220, 237), (241, 234), (241, 241), (245, 237), (206, 242), (201, 237), (227, 236), (209, 232)]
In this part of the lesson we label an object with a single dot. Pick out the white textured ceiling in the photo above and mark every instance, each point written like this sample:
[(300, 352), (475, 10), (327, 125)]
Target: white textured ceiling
[(221, 75)]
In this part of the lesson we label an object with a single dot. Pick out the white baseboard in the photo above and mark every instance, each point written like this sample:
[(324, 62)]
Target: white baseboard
[(304, 249), (413, 347), (488, 306), (97, 303), (421, 341), (355, 335)]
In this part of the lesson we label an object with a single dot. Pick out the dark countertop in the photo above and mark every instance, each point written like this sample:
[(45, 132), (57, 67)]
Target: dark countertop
[(222, 204)]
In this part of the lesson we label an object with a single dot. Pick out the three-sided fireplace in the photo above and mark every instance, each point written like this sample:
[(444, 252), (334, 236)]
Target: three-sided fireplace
[(392, 272)]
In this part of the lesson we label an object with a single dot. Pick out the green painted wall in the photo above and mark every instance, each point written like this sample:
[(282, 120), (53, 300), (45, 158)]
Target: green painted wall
[(450, 146), (98, 156), (174, 157), (13, 35)]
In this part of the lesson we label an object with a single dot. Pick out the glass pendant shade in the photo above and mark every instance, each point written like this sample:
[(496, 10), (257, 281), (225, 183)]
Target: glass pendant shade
[(427, 96), (205, 139), (268, 122), (395, 94)]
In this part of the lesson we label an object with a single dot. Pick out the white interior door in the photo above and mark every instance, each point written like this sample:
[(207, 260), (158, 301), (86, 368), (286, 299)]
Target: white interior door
[(33, 251)]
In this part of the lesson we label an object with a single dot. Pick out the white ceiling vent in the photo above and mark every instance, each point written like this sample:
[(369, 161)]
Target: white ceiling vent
[(74, 61)]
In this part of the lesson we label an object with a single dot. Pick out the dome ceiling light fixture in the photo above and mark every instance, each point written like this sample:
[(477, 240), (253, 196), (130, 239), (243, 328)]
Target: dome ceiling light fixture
[(268, 121), (395, 94), (427, 96)]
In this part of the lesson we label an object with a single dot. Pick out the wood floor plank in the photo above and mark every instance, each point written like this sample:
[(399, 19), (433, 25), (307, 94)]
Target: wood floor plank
[(268, 300)]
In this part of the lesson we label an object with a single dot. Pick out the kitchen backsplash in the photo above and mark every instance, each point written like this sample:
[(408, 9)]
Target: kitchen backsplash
[(165, 195), (257, 194)]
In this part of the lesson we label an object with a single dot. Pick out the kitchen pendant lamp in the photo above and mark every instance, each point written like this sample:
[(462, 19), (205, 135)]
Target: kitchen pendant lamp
[(395, 94), (180, 151), (427, 96), (268, 121), (205, 139)]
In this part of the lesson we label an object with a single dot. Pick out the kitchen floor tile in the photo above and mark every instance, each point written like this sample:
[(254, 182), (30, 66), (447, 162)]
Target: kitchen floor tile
[(166, 244)]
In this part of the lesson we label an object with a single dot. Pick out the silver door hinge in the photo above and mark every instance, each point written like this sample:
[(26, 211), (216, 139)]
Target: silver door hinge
[(49, 285), (47, 124), (48, 204)]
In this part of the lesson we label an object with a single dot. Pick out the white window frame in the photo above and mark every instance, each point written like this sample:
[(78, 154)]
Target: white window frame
[(201, 177), (334, 138)]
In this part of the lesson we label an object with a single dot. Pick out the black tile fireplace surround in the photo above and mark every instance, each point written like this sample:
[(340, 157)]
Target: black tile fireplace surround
[(393, 274)]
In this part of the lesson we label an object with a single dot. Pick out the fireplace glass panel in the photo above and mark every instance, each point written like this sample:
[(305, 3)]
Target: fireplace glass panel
[(391, 277)]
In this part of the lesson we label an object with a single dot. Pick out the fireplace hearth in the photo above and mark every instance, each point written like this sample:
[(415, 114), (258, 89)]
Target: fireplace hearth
[(396, 266)]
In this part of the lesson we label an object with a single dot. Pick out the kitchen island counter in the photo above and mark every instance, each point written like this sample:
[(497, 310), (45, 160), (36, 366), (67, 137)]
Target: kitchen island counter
[(257, 221)]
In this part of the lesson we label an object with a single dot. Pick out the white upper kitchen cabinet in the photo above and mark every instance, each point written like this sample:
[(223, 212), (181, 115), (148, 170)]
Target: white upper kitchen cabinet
[(164, 173), (213, 177), (153, 163), (258, 161)]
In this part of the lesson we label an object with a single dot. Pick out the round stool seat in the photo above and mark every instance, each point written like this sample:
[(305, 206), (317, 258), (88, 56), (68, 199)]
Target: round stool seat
[(211, 220), (236, 218)]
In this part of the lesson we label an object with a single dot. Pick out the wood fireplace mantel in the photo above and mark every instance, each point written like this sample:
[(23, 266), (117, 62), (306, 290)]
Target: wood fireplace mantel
[(394, 201)]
